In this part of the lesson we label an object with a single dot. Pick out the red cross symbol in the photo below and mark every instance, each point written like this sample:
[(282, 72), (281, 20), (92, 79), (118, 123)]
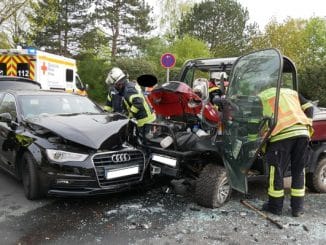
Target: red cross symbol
[(44, 68)]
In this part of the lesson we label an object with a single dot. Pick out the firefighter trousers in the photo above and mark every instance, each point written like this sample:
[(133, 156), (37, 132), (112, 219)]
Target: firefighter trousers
[(279, 155)]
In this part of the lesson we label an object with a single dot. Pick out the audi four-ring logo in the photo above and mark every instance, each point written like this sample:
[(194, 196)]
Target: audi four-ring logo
[(122, 157)]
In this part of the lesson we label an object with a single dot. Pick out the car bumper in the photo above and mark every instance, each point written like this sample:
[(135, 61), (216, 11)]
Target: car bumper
[(95, 176), (86, 191)]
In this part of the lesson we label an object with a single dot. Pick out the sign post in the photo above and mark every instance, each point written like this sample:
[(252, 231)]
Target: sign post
[(168, 61)]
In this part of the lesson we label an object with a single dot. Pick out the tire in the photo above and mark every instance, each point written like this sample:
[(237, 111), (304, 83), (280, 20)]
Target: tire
[(212, 187), (316, 181), (30, 178)]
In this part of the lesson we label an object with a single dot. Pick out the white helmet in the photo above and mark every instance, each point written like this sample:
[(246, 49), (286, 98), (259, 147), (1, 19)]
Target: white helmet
[(218, 75), (115, 75), (199, 87)]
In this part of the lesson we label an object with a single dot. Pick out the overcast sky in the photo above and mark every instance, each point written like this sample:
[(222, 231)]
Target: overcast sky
[(261, 11)]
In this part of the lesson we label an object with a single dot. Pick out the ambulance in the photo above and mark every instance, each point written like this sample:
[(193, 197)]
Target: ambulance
[(50, 70)]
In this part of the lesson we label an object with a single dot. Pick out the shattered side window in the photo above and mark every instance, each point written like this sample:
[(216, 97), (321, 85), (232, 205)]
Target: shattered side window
[(8, 104)]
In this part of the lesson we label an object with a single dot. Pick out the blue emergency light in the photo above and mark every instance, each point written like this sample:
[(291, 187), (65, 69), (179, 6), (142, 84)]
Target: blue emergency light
[(31, 51)]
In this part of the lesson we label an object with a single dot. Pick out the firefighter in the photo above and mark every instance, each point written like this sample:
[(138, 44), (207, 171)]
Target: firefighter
[(200, 86), (289, 140), (215, 81), (132, 97), (114, 101)]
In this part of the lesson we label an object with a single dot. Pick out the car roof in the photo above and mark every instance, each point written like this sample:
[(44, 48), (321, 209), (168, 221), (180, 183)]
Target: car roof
[(13, 82), (19, 92), (212, 64)]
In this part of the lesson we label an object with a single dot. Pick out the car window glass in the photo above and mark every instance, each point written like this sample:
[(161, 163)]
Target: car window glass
[(79, 83), (8, 105)]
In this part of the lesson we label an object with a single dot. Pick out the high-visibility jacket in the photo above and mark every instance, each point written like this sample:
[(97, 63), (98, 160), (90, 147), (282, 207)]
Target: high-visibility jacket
[(291, 120), (137, 105), (114, 102)]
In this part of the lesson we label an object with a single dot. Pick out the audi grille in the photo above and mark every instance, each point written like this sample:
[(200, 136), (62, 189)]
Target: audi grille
[(112, 161)]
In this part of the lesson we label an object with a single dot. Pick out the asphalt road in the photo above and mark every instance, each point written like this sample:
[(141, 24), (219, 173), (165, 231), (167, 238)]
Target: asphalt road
[(155, 216)]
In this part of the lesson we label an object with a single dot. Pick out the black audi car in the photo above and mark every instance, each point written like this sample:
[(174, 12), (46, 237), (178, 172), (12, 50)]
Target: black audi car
[(65, 145)]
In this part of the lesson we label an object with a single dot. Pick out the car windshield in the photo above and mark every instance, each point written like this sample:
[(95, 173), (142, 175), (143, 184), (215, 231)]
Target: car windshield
[(41, 105)]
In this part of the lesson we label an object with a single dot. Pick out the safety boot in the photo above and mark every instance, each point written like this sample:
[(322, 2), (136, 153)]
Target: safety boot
[(268, 208), (297, 208)]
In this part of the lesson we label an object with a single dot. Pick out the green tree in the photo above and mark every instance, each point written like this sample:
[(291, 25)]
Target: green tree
[(312, 80), (171, 12), (4, 42), (188, 48), (222, 24), (304, 42), (93, 71), (288, 37), (153, 48), (135, 66), (125, 23), (315, 35), (57, 25), (94, 43)]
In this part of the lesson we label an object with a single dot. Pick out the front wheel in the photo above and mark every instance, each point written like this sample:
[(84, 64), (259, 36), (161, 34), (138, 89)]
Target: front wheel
[(317, 180), (30, 178), (212, 187)]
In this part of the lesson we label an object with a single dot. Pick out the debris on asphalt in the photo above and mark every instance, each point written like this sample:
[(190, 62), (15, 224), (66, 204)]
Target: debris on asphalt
[(305, 228)]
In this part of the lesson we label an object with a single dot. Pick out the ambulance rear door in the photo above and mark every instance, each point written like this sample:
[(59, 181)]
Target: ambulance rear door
[(18, 62)]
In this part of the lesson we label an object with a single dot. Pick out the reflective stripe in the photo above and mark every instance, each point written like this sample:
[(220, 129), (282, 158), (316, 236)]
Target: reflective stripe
[(212, 89), (297, 192), (135, 96), (254, 120), (12, 60), (252, 137), (150, 117), (108, 108), (287, 135), (271, 191), (145, 120), (305, 106), (134, 109), (300, 192), (109, 97)]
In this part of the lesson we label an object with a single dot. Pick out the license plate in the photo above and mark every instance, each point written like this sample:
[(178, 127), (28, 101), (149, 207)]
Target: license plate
[(117, 173), (172, 162)]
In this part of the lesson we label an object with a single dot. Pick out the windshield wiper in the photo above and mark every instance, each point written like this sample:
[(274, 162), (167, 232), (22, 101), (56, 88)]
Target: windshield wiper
[(77, 113)]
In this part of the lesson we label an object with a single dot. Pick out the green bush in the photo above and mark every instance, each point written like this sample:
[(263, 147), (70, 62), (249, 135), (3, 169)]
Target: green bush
[(93, 71), (312, 82)]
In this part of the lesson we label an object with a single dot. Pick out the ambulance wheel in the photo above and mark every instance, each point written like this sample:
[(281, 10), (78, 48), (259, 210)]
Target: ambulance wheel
[(316, 181), (212, 187)]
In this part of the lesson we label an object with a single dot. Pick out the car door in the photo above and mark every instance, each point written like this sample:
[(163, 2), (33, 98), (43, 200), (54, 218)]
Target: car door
[(245, 127), (7, 132)]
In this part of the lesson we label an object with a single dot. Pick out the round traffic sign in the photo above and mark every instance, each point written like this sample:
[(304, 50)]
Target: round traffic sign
[(168, 60)]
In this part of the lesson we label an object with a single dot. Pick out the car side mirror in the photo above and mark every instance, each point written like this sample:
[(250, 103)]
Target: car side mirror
[(5, 117)]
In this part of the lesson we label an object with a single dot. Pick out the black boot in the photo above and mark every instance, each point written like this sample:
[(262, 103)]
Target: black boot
[(271, 209), (274, 205), (297, 206)]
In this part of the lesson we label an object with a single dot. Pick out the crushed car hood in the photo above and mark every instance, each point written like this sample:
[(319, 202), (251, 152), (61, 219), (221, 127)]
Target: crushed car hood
[(88, 130)]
